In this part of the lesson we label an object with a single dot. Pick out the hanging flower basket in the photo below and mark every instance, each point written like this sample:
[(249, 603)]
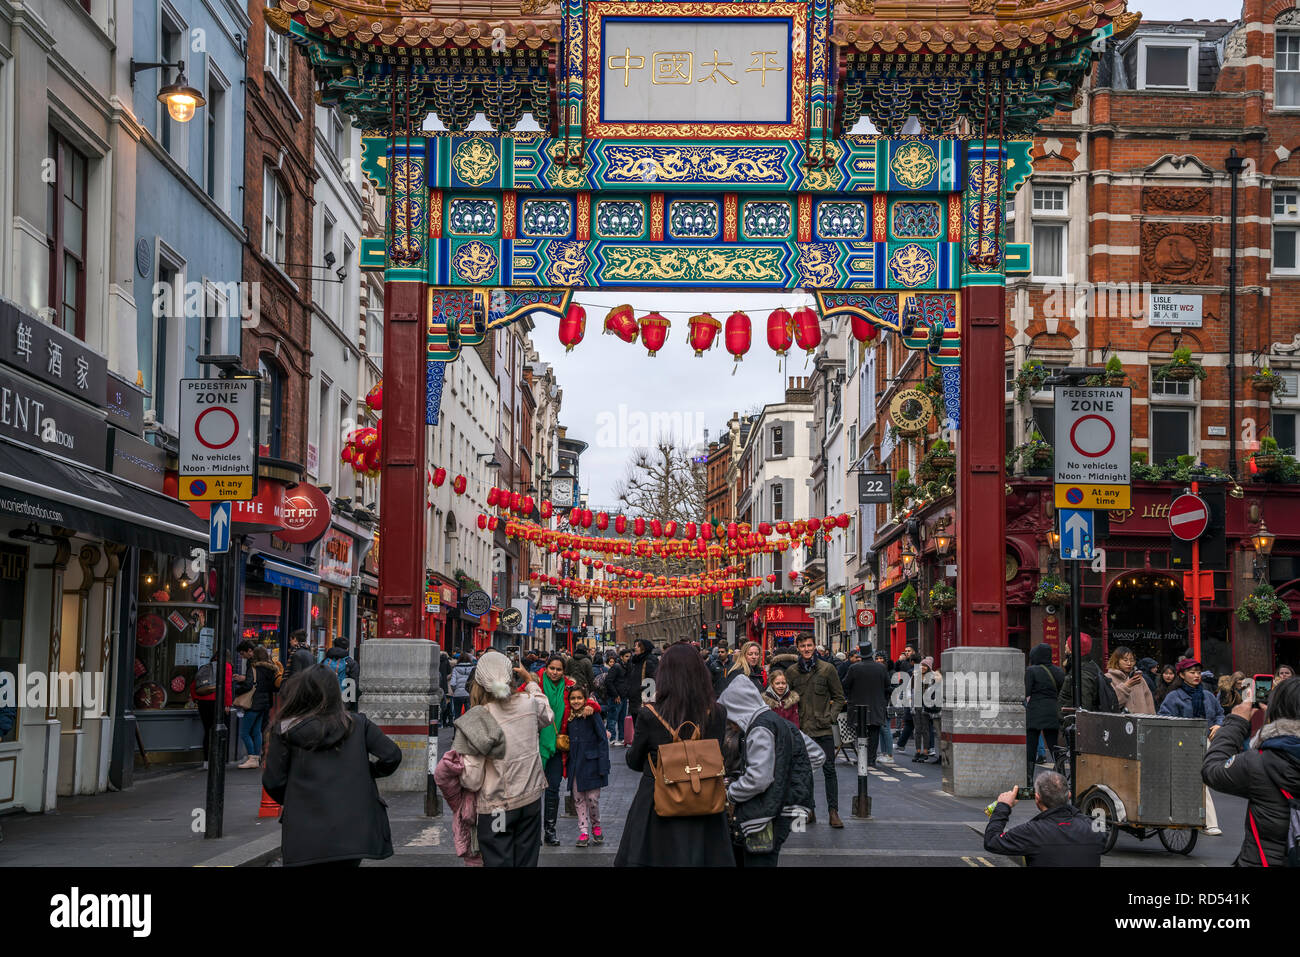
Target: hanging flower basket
[(1052, 590), (1180, 373), (1181, 367), (1030, 379), (907, 608), (1266, 460), (943, 597), (1267, 381), (1263, 606), (944, 461)]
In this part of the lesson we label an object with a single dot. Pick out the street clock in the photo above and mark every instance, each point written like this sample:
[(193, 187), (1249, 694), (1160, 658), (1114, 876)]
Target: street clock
[(562, 491)]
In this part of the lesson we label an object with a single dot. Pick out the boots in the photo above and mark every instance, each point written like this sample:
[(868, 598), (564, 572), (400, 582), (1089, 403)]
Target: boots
[(835, 819), (550, 810)]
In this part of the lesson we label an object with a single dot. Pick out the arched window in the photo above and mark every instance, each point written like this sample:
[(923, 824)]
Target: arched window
[(270, 424)]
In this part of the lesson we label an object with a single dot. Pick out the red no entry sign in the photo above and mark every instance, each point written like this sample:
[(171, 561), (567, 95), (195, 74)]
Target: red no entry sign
[(1188, 517)]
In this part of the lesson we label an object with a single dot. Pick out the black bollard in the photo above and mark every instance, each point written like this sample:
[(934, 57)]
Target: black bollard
[(862, 801), (432, 799)]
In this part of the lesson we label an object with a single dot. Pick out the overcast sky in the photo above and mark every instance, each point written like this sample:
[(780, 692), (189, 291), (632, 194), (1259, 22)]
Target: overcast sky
[(616, 398)]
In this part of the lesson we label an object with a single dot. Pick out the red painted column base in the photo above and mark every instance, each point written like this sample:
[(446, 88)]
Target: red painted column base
[(981, 480)]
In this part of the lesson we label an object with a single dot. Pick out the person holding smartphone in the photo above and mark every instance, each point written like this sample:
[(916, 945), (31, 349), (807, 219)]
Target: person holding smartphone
[(1265, 771), (1131, 688)]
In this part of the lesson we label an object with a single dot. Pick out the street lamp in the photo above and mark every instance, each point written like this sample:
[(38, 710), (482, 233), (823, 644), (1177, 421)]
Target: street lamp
[(942, 541), (179, 97), (1263, 541), (909, 557)]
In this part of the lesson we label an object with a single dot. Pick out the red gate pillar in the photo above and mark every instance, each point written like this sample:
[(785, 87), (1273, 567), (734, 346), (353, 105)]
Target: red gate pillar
[(981, 484), (402, 490)]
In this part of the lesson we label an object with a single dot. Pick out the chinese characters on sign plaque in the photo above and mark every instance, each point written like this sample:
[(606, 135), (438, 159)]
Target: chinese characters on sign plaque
[(696, 70)]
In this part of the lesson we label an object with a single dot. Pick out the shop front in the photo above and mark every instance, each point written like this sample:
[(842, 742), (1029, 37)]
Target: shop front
[(81, 508), (777, 625), (332, 608), (440, 598)]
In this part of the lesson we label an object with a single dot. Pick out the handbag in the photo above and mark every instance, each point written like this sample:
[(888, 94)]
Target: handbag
[(561, 742), (762, 841), (244, 701), (688, 773)]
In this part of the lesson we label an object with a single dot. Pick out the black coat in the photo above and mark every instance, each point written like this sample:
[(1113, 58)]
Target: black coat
[(653, 841), (580, 670), (332, 808), (639, 668), (1256, 775), (1061, 837), (615, 679), (1091, 677), (867, 683), (1043, 681), (587, 765)]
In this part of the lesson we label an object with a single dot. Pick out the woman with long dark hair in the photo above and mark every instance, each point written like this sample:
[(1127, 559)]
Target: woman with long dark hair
[(683, 692), (261, 681), (318, 767)]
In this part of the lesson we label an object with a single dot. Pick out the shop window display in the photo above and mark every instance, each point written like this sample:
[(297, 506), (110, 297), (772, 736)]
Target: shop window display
[(175, 629), (13, 589)]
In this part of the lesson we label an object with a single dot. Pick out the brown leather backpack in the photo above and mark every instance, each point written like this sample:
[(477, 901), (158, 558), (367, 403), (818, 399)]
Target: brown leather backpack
[(688, 774)]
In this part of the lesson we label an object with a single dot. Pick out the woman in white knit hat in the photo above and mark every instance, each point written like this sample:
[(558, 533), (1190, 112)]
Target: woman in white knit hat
[(498, 738)]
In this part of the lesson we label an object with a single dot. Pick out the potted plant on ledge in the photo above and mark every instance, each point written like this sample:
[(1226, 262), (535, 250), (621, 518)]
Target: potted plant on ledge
[(1143, 471), (1263, 606), (1181, 367)]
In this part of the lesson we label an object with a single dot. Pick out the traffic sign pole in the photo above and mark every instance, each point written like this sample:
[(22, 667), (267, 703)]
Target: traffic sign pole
[(1196, 590)]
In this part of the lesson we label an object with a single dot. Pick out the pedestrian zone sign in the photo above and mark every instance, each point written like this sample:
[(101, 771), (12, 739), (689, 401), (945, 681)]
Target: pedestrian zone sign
[(1092, 450), (218, 454)]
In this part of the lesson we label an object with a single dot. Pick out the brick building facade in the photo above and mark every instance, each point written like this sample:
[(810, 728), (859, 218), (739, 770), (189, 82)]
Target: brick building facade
[(279, 179)]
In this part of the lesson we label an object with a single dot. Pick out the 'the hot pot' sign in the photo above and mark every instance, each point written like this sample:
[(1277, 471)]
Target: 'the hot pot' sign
[(306, 515)]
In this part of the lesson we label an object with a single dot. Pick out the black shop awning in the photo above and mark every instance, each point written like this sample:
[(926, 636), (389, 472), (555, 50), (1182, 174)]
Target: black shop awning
[(51, 492)]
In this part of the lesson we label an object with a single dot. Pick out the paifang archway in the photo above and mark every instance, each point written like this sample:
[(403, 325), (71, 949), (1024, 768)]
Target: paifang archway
[(698, 145)]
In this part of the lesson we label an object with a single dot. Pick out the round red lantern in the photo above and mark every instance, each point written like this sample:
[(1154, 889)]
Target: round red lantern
[(690, 530), (492, 523), (375, 397), (458, 484), (492, 496), (771, 578), (814, 524), (794, 576), (516, 500), (778, 331), (807, 329), (572, 326), (654, 332), (706, 530), (764, 529), (526, 504), (732, 530), (621, 321), (670, 529), (602, 521), (703, 330), (843, 520), (439, 476), (863, 329), (586, 518), (738, 334), (620, 524), (482, 521), (656, 527), (575, 516), (638, 527)]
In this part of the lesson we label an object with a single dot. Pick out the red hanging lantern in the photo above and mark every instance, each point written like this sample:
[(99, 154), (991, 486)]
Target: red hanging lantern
[(375, 397), (778, 331), (794, 576), (863, 329), (654, 332), (638, 527), (843, 520), (764, 529), (706, 530), (656, 527), (690, 530), (526, 505), (458, 484), (482, 521), (807, 329), (814, 524), (620, 524), (439, 476), (703, 330), (771, 579), (621, 321), (738, 335), (586, 518), (492, 523), (492, 496), (546, 508), (732, 530), (602, 521), (670, 529), (572, 326), (575, 516)]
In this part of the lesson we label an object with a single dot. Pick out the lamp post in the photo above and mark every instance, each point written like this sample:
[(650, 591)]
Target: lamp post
[(1234, 166), (179, 97), (1263, 541)]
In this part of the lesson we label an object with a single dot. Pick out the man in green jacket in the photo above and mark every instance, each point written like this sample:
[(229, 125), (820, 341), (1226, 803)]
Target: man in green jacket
[(821, 699)]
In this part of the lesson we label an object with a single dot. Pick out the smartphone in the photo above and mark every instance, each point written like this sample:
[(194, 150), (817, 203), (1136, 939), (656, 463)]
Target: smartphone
[(1248, 692), (1263, 685)]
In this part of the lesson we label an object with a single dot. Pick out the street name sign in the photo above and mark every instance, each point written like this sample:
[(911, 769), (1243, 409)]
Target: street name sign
[(875, 488), (1076, 533), (218, 429), (1092, 448)]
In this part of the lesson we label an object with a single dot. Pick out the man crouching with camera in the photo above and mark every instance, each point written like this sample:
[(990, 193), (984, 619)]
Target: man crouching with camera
[(1060, 835)]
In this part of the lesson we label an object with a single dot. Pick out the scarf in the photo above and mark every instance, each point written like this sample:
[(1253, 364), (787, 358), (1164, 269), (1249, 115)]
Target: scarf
[(555, 695), (1282, 727), (806, 666), (1197, 695)]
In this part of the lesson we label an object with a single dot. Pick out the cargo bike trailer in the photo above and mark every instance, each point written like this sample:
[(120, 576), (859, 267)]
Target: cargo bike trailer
[(1140, 773)]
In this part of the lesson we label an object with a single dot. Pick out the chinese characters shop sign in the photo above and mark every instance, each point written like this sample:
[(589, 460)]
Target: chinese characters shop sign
[(675, 70)]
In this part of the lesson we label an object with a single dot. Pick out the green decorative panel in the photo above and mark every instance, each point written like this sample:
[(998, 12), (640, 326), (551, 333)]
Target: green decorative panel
[(473, 217), (474, 263), (842, 220), (916, 219), (693, 219), (1017, 261), (621, 219), (547, 218), (763, 219), (912, 266)]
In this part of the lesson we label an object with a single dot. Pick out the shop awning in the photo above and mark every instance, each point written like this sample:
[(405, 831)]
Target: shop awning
[(289, 576), (47, 491)]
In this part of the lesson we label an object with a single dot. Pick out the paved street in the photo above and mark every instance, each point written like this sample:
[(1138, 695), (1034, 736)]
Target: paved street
[(913, 823)]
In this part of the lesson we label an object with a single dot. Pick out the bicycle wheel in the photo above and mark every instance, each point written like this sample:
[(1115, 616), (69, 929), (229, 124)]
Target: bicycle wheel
[(1098, 807), (1179, 840)]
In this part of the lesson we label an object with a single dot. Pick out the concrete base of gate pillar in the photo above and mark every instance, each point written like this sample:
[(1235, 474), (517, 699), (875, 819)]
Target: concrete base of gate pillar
[(399, 682), (982, 735)]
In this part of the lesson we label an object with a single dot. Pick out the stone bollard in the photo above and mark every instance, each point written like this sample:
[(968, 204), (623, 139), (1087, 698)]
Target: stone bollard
[(982, 738), (399, 681)]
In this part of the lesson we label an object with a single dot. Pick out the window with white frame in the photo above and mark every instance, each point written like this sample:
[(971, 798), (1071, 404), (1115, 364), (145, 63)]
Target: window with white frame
[(1051, 217), (1172, 422), (1167, 63), (217, 160), (778, 440), (338, 134), (275, 214), (277, 56), (1010, 229), (171, 46), (1286, 69), (778, 502), (1286, 230), (1284, 415)]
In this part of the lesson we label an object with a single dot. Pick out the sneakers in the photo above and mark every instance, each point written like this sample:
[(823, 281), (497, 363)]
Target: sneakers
[(250, 762), (835, 819), (1213, 832), (549, 838), (596, 836), (582, 840)]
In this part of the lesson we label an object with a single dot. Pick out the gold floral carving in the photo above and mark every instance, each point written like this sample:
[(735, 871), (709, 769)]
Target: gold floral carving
[(879, 209), (1178, 199), (278, 19)]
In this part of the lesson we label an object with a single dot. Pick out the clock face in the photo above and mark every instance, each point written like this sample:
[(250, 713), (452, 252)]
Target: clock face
[(1013, 567), (562, 492)]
